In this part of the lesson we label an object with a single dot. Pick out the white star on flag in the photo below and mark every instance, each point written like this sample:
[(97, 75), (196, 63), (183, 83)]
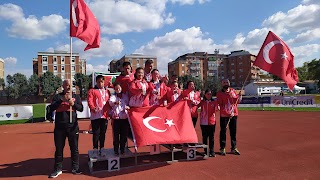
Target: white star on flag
[(169, 122), (284, 56)]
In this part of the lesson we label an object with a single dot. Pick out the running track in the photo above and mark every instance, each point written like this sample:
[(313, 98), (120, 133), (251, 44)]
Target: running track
[(273, 145)]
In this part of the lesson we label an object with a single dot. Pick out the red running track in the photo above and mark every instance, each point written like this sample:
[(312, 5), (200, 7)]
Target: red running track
[(273, 145)]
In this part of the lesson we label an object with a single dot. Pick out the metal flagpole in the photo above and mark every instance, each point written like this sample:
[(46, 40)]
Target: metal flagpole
[(71, 81), (238, 97)]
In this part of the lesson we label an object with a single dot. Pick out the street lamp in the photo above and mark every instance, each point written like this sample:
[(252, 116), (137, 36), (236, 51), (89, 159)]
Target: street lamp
[(216, 52)]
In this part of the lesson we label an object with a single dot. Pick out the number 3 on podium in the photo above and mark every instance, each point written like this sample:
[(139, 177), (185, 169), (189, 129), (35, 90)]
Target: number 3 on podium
[(191, 153)]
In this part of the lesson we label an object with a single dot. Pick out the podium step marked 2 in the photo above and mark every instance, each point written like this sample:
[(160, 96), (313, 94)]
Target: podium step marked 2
[(113, 161)]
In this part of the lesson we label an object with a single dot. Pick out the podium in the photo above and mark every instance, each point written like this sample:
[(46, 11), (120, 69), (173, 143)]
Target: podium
[(112, 162)]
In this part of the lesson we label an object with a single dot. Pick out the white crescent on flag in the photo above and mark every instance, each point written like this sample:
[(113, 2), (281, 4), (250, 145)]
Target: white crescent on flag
[(74, 16), (146, 123), (267, 49)]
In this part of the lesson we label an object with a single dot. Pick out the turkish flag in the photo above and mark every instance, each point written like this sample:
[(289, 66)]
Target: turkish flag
[(276, 58), (162, 125), (83, 24)]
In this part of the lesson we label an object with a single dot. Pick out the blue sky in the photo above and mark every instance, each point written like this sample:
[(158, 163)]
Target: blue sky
[(165, 28)]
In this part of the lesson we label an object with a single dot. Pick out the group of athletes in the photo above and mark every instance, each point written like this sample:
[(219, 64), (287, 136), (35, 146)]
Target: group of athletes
[(139, 88)]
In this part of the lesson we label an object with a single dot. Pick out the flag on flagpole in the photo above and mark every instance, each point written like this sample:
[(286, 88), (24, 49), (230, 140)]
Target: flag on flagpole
[(162, 124), (83, 24), (276, 58)]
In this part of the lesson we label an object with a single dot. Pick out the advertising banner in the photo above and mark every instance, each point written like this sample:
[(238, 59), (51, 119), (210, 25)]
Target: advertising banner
[(15, 112), (293, 101)]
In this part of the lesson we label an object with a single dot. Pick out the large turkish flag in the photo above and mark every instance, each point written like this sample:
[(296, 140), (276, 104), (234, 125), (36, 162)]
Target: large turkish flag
[(83, 24), (162, 125), (276, 58)]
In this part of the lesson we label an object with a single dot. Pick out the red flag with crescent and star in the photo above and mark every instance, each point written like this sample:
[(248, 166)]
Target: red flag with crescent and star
[(83, 24), (276, 58), (170, 124)]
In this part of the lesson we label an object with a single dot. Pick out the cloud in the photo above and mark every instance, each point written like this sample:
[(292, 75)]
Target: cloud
[(10, 61), (305, 53), (31, 27), (108, 48), (97, 68), (307, 36), (173, 44), (126, 16), (189, 2), (298, 19)]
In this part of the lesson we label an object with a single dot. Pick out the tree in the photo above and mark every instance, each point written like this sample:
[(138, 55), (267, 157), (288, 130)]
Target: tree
[(197, 82), (213, 84), (49, 83), (2, 84), (303, 72), (33, 84), (314, 70), (17, 85), (82, 81)]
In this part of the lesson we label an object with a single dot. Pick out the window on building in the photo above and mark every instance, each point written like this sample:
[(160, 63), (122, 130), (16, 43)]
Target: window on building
[(73, 59), (73, 68), (44, 59), (45, 68), (55, 68), (55, 59), (62, 68), (62, 59), (182, 72), (182, 65)]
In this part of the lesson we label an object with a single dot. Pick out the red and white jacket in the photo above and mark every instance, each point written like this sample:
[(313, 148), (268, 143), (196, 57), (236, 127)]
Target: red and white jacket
[(228, 102), (208, 112), (157, 89), (148, 76), (118, 110), (98, 103), (137, 97), (173, 95), (194, 99), (125, 81)]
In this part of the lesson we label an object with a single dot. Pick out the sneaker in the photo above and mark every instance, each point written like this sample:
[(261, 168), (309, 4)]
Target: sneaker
[(55, 174), (76, 171), (102, 153), (235, 151), (95, 153), (223, 152), (212, 154)]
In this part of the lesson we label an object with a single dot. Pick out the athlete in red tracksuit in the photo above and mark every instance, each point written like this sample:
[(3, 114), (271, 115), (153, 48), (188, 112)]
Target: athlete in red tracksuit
[(228, 101), (174, 93), (208, 120), (125, 78), (65, 129), (98, 103), (194, 99), (139, 90), (158, 89)]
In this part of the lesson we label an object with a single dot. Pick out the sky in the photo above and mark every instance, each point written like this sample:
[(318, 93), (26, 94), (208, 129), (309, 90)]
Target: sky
[(162, 28)]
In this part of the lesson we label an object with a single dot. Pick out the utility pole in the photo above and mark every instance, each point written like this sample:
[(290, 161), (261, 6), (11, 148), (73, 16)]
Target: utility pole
[(216, 52)]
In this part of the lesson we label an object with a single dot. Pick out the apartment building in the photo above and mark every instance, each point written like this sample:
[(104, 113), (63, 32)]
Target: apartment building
[(188, 64), (1, 68), (237, 66), (59, 63), (206, 67), (136, 60)]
